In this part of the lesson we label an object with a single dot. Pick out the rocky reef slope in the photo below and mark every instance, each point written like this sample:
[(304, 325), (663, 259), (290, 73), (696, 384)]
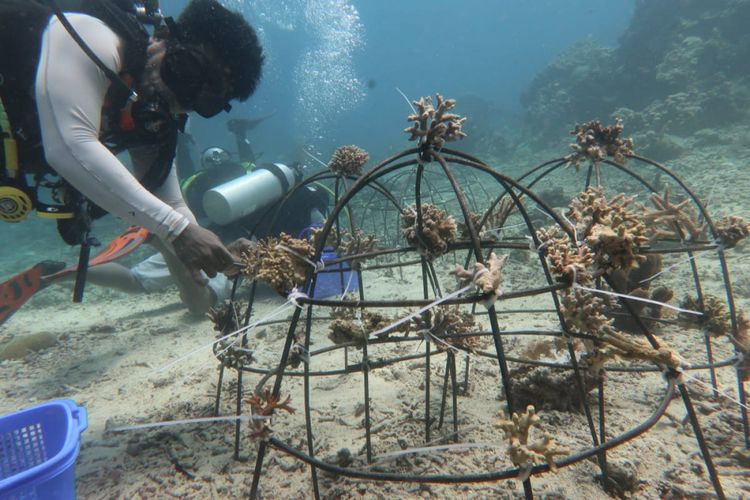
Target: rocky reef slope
[(680, 72)]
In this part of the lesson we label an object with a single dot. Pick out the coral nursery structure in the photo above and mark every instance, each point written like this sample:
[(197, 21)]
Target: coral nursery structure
[(598, 272)]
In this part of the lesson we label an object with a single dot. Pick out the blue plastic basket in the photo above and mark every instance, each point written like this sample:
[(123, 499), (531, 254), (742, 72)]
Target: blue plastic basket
[(38, 449), (330, 283)]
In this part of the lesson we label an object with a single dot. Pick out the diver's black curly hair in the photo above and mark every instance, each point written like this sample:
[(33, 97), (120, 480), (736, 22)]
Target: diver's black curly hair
[(231, 37)]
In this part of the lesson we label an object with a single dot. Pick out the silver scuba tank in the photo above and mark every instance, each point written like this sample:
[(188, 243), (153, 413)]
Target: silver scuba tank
[(245, 195)]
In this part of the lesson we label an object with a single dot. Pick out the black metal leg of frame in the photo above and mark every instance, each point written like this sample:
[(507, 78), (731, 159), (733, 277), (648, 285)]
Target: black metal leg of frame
[(602, 427), (366, 374), (702, 442), (444, 396), (218, 390), (454, 393)]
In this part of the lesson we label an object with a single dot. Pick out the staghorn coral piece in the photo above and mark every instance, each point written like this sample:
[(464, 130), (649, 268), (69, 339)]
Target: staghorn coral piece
[(487, 277), (613, 232), (584, 312), (433, 127), (357, 243), (352, 324), (524, 454), (348, 160), (438, 230), (272, 262), (229, 351), (448, 320), (731, 230), (567, 261), (620, 346), (715, 318), (494, 220), (672, 221), (463, 228), (263, 405), (594, 143)]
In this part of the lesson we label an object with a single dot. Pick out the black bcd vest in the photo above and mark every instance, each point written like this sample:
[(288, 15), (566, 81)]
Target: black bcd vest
[(22, 23)]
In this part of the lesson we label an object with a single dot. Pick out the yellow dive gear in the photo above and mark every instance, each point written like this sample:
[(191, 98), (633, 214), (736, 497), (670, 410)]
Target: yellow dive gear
[(17, 199), (15, 202)]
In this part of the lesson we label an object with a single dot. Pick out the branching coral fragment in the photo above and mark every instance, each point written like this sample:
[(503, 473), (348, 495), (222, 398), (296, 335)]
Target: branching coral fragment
[(488, 278), (348, 160), (442, 321), (438, 229), (278, 262), (434, 127), (715, 317), (584, 312), (229, 351), (524, 454), (613, 232), (672, 221), (351, 324), (568, 261), (263, 405), (594, 143)]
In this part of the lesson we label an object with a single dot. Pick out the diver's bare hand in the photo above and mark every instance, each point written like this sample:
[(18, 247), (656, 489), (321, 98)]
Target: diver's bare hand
[(201, 250), (237, 248)]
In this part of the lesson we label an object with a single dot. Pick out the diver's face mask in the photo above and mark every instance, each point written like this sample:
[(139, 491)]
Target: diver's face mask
[(196, 79)]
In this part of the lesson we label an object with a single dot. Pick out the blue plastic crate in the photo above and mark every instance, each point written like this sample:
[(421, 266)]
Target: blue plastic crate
[(329, 283), (38, 449)]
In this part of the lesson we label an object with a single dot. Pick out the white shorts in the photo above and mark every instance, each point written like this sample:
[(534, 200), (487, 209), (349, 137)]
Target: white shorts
[(153, 275)]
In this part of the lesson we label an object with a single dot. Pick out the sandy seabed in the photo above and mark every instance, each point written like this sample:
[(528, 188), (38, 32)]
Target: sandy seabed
[(108, 354)]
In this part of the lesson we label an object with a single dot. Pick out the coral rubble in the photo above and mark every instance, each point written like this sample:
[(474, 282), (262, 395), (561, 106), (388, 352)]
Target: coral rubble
[(731, 230)]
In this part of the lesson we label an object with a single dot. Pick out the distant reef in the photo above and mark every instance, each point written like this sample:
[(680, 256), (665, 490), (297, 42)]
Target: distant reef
[(681, 70)]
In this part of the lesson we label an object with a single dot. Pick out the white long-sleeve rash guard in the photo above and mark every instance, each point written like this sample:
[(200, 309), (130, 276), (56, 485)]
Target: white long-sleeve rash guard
[(70, 92)]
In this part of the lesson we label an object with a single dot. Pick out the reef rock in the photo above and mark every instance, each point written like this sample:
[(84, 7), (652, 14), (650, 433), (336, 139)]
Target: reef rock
[(680, 67), (22, 346)]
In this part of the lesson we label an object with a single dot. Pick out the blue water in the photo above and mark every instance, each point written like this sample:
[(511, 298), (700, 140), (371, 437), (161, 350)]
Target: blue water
[(333, 68), (487, 49)]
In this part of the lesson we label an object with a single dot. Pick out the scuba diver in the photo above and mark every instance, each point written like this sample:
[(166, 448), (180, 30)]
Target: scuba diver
[(82, 81), (238, 185)]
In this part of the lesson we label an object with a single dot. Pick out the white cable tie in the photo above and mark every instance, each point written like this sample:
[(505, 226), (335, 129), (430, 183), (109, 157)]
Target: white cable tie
[(638, 299), (429, 336), (420, 311), (481, 272), (247, 328), (295, 295), (722, 393), (673, 266), (316, 266), (167, 423)]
